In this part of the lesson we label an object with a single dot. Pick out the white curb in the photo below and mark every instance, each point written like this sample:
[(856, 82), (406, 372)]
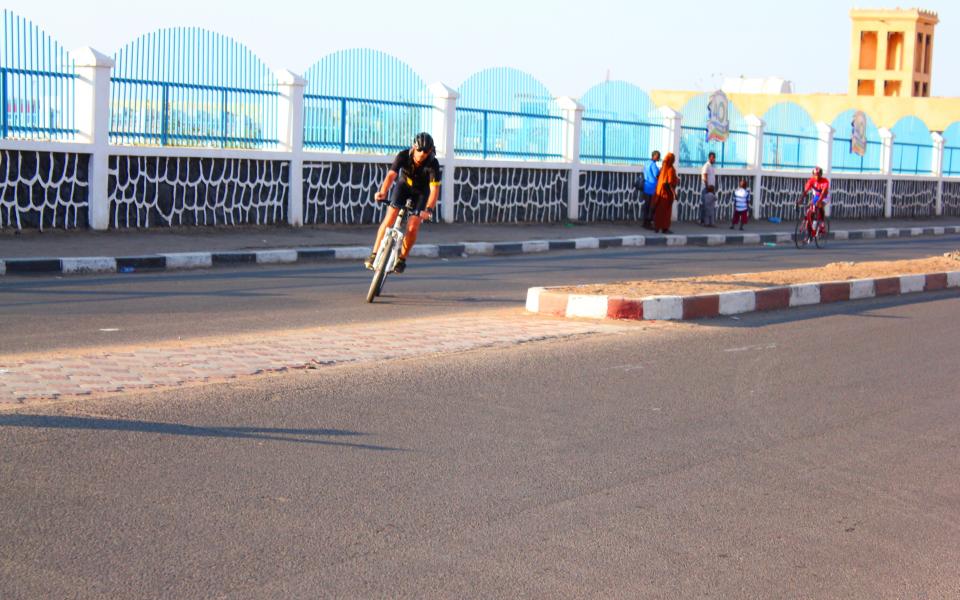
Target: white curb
[(351, 252), (716, 240), (734, 303), (804, 294), (533, 299), (841, 235), (751, 238), (88, 264), (676, 240), (916, 231), (587, 307), (484, 248), (784, 237), (3, 268), (188, 260), (892, 233), (663, 308), (634, 241), (912, 283), (536, 246), (586, 243), (862, 288), (953, 279), (276, 256)]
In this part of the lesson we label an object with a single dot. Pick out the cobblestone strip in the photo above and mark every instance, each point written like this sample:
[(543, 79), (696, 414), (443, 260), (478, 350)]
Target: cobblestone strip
[(92, 372)]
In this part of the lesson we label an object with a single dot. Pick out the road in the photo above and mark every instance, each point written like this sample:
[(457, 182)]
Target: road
[(810, 453), (44, 313)]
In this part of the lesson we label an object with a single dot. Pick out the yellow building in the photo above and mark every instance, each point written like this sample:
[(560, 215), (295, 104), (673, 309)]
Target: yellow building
[(891, 52)]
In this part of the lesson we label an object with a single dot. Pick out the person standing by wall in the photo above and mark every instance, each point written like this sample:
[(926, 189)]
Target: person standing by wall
[(708, 179), (709, 207), (666, 193), (742, 204), (651, 174)]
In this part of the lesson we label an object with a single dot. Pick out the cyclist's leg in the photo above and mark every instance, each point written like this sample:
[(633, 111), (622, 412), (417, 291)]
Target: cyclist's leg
[(413, 223), (398, 195)]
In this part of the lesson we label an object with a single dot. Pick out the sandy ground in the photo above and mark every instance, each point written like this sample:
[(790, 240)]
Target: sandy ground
[(709, 284)]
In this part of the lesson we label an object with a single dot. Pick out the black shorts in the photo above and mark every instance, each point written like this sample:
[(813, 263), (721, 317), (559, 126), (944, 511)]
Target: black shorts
[(401, 192)]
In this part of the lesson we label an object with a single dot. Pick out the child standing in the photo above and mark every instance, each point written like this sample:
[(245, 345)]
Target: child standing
[(742, 203), (709, 206)]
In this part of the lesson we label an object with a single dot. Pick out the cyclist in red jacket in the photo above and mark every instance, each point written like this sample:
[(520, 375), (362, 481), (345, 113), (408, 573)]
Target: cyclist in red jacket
[(819, 187)]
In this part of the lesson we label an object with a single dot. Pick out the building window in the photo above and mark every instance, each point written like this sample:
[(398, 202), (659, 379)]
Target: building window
[(895, 51), (868, 50), (865, 87), (891, 88)]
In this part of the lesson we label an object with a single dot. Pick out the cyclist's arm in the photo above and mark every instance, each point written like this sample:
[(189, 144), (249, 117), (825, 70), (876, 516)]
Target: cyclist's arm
[(385, 186), (433, 197)]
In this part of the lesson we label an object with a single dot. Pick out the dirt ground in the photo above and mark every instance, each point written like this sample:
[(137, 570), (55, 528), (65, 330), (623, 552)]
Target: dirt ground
[(710, 284)]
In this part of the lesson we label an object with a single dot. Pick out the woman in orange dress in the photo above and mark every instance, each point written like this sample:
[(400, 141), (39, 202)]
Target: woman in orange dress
[(666, 193)]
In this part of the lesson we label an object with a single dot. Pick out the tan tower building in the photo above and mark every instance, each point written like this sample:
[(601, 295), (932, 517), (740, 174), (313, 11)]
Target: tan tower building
[(891, 52)]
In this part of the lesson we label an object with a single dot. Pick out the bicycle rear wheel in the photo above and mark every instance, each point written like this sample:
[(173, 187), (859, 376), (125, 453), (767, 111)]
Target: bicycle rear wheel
[(823, 233), (379, 269)]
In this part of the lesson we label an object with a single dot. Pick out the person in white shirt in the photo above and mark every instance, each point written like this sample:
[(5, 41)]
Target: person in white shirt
[(708, 178), (742, 203)]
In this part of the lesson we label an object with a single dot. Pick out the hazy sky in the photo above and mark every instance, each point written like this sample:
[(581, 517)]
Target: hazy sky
[(569, 46)]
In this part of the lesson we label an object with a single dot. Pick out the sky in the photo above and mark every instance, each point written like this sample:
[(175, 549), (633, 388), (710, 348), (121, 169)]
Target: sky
[(568, 46)]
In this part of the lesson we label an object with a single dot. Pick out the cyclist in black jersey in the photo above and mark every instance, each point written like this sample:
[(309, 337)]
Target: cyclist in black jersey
[(417, 173)]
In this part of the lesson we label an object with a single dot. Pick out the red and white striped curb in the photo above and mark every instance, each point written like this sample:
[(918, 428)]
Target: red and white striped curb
[(676, 308)]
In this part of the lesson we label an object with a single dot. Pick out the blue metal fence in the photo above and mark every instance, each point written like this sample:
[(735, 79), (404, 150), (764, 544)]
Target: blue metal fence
[(611, 141), (951, 160), (912, 159), (36, 83), (507, 113), (845, 161), (363, 100), (192, 87), (790, 139)]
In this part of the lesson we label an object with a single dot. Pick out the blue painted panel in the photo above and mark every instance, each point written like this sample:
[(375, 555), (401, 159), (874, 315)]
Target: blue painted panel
[(363, 100), (506, 113), (789, 138), (912, 147), (951, 150), (621, 124), (192, 87)]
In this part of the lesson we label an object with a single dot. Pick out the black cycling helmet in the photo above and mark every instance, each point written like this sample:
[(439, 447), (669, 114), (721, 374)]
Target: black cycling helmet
[(423, 142)]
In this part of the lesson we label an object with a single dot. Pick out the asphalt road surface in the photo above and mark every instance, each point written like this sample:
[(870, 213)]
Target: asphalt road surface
[(44, 313)]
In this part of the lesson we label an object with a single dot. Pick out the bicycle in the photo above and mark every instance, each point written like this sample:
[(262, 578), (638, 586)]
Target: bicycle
[(809, 228), (388, 252)]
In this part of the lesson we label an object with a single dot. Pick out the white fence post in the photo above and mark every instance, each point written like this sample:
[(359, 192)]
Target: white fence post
[(672, 124), (572, 125), (93, 127), (290, 133), (936, 167), (755, 127), (886, 168), (444, 136), (825, 153)]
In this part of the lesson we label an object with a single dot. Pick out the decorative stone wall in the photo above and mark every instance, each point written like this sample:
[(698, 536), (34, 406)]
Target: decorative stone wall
[(43, 190)]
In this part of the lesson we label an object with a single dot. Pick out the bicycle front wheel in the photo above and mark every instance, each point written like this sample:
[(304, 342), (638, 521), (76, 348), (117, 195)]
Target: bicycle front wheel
[(379, 269), (801, 236), (823, 232)]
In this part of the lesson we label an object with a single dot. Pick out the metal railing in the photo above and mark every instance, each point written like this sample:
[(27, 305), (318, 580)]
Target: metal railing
[(37, 104), (789, 151), (694, 148), (951, 160), (496, 133), (907, 158), (360, 125), (183, 114), (618, 141), (845, 161)]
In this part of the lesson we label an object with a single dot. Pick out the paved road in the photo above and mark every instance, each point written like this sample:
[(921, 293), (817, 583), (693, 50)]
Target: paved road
[(44, 313), (790, 455)]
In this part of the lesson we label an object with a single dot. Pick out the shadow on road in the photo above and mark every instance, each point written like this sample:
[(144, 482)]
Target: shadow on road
[(300, 436)]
